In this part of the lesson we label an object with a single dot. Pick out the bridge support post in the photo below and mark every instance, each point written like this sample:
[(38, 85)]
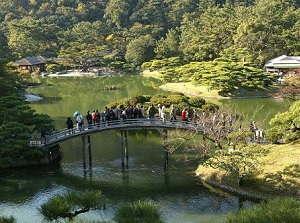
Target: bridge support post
[(83, 152), (124, 149), (90, 151), (165, 149)]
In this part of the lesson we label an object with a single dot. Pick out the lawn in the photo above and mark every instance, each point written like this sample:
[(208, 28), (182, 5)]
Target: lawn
[(279, 175)]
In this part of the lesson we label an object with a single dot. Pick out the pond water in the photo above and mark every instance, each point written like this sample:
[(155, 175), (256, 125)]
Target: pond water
[(180, 195)]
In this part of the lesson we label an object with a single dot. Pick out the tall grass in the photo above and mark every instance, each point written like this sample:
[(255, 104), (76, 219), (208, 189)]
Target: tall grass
[(280, 210)]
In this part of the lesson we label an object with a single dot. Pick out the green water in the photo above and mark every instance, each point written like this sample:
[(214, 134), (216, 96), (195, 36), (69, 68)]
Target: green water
[(178, 192)]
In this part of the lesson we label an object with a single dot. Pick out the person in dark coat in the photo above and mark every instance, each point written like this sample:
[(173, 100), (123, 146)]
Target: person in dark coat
[(70, 124), (89, 119)]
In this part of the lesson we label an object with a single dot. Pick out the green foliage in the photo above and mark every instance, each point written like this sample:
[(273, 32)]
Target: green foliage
[(7, 220), (219, 75), (71, 204), (141, 211), (286, 126), (168, 47), (180, 101), (254, 31), (140, 50), (5, 53), (272, 211), (84, 44), (117, 12), (196, 102), (163, 64), (17, 123), (52, 68), (204, 35), (239, 160), (29, 36)]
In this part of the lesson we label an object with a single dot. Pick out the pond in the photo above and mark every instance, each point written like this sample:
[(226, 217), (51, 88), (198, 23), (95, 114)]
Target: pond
[(178, 192)]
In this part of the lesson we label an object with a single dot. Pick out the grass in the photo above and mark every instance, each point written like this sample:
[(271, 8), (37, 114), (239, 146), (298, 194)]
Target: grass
[(274, 211), (189, 89), (279, 176)]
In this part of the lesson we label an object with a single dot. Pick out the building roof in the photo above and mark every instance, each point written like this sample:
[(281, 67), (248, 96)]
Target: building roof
[(284, 62), (29, 61)]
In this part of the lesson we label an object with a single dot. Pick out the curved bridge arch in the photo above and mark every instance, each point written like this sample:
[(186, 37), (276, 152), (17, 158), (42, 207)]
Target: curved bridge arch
[(126, 124), (119, 125)]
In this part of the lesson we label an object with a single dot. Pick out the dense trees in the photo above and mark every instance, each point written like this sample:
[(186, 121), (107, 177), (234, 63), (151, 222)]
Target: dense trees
[(17, 120), (190, 29), (222, 44), (218, 43)]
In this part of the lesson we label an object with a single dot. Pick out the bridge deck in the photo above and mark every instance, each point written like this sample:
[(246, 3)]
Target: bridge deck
[(126, 124)]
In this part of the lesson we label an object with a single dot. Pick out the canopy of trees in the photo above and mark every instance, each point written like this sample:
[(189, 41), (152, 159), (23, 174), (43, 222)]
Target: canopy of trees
[(106, 32), (17, 120)]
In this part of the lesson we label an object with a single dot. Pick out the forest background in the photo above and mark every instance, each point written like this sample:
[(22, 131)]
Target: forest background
[(125, 34)]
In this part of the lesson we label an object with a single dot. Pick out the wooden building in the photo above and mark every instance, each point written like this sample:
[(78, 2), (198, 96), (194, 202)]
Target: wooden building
[(32, 64), (286, 65)]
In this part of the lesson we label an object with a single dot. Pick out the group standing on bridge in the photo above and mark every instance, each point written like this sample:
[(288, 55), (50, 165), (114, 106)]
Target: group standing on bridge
[(95, 117), (208, 118)]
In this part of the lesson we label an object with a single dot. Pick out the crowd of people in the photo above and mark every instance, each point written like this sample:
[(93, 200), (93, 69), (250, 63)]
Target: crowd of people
[(94, 118), (207, 118), (213, 119)]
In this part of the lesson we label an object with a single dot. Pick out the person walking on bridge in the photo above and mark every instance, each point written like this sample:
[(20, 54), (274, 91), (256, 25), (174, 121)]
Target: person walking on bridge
[(172, 113), (151, 112), (70, 125), (79, 121), (185, 115), (163, 114), (89, 119)]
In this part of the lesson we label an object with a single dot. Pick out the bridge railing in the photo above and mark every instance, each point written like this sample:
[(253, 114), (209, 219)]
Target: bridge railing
[(125, 123)]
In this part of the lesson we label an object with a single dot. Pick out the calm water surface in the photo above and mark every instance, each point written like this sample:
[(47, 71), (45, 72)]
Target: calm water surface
[(178, 192)]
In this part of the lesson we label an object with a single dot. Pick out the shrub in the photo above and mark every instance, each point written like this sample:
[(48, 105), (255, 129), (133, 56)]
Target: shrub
[(273, 211), (141, 211), (7, 220), (146, 65), (196, 102), (71, 204)]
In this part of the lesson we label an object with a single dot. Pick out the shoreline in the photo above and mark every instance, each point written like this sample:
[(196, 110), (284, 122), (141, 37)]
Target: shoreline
[(83, 74), (232, 190), (213, 97), (190, 89)]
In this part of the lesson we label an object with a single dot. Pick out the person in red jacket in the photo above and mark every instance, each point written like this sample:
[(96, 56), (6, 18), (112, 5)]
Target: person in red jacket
[(185, 115)]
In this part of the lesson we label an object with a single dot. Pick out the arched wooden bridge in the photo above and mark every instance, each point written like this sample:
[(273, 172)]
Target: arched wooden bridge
[(119, 125), (127, 124)]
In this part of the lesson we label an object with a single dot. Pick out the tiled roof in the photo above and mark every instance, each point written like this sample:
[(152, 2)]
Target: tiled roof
[(284, 61), (27, 61)]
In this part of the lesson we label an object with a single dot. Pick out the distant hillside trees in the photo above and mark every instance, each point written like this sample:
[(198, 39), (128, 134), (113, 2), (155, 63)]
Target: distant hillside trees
[(193, 30)]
